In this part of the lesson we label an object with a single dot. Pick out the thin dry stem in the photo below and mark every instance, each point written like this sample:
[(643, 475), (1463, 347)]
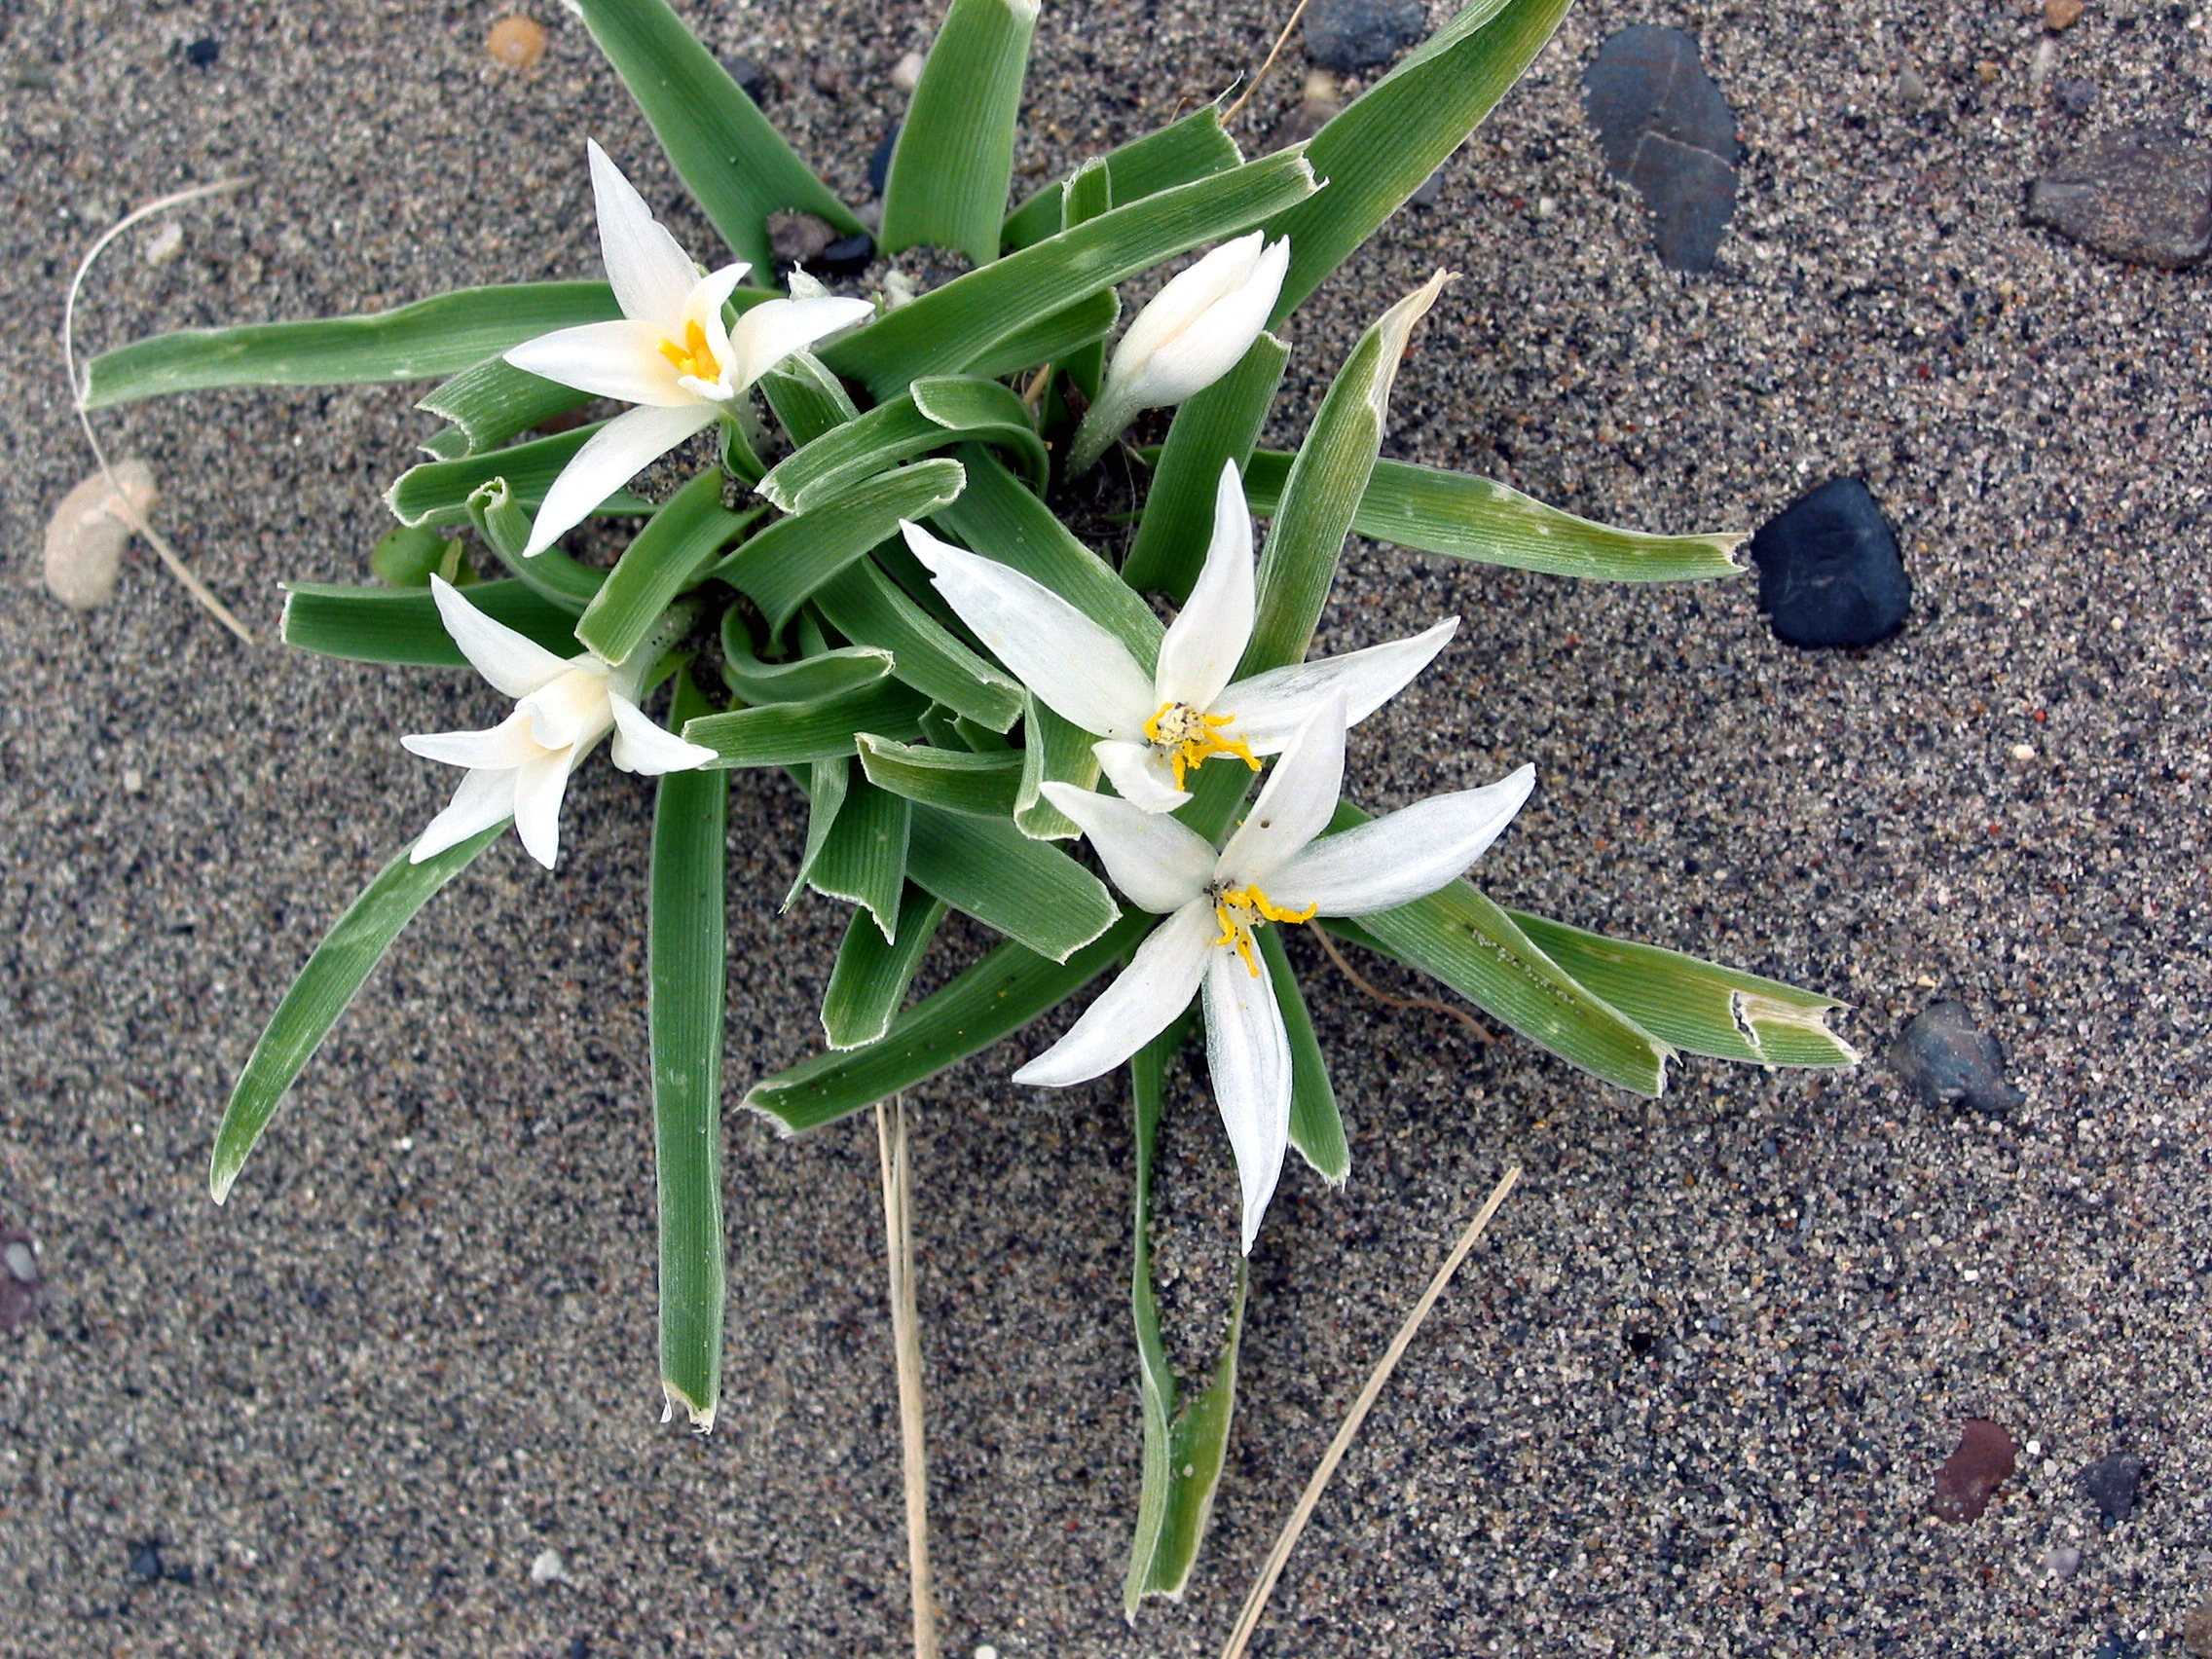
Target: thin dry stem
[(1257, 1601), (1352, 973), (1273, 51), (890, 1145), (122, 505)]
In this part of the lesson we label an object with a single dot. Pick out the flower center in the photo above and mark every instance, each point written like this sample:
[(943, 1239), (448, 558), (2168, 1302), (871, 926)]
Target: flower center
[(694, 357), (1190, 739), (1239, 909)]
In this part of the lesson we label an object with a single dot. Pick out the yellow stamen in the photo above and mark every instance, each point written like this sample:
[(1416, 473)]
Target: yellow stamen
[(1238, 908), (1194, 738), (695, 357)]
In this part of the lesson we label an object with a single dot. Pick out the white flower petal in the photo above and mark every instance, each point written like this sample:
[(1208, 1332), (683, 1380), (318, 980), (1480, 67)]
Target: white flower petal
[(643, 747), (1404, 856), (648, 268), (774, 329), (1248, 1058), (1299, 799), (482, 800), (1075, 667), (1213, 345), (1160, 865), (615, 455), (513, 664), (1140, 773), (608, 359), (506, 744), (574, 708), (1204, 643), (538, 789), (1174, 311), (1153, 989), (1269, 707)]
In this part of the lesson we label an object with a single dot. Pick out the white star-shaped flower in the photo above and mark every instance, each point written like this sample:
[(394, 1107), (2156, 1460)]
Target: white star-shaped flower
[(1155, 727), (1275, 868), (520, 768), (669, 353)]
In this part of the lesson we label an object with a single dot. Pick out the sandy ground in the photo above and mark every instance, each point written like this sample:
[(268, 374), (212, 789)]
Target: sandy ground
[(1691, 1397)]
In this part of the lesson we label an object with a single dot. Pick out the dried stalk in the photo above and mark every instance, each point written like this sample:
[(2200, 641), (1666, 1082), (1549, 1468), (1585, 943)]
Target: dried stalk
[(891, 1142)]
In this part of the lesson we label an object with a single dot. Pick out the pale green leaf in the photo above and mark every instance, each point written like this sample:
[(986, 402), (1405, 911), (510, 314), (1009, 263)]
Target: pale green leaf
[(1030, 891), (380, 625), (668, 557), (867, 608), (1054, 751), (982, 785), (435, 494), (1317, 1130), (864, 857), (793, 557), (822, 728), (1192, 148), (954, 156), (872, 975), (932, 415)]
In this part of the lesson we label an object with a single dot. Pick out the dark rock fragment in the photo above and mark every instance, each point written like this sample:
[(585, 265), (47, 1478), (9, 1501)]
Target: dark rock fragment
[(2073, 96), (1345, 35), (1947, 1061), (2112, 1484), (753, 79), (1666, 129), (1971, 1475), (146, 1562), (21, 1291), (2113, 1645), (880, 164), (847, 258), (1429, 191), (2139, 195), (795, 239), (1829, 570), (201, 54)]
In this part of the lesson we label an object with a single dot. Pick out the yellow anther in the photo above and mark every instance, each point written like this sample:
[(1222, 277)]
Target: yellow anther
[(1237, 908), (695, 357), (1191, 738)]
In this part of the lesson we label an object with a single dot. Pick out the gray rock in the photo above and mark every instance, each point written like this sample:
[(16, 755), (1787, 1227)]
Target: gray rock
[(1831, 573), (1345, 35), (2138, 195), (19, 1278), (1946, 1061), (1666, 129), (2112, 1484)]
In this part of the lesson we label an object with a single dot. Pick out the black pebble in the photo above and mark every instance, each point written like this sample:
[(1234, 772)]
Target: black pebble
[(579, 1648), (753, 79), (201, 54), (1345, 35), (880, 164), (146, 1562), (1666, 129), (1829, 572), (847, 258), (2114, 1645), (2111, 1483), (1946, 1061)]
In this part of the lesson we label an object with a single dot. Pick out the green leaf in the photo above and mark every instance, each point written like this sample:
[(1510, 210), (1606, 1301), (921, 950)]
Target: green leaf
[(1050, 337), (435, 494), (1054, 751), (822, 728), (808, 401), (731, 159), (492, 403), (319, 995), (954, 160), (1088, 195), (793, 557), (668, 557), (999, 519), (1030, 891), (406, 558), (950, 328), (1387, 141), (864, 857), (870, 979), (1191, 149), (824, 675), (982, 785), (438, 336), (827, 784), (932, 415), (1221, 423), (1316, 1129), (1697, 1006), (553, 574), (687, 950), (378, 624), (1001, 994), (1323, 491), (1434, 511), (867, 606), (1184, 1450)]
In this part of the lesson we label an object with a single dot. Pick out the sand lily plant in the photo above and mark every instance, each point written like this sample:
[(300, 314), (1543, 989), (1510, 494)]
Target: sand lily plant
[(870, 586)]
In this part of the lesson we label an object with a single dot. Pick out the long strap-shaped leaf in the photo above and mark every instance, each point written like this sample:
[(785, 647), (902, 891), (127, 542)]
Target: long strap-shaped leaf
[(871, 977), (1030, 891), (1316, 1129), (932, 415), (319, 995), (793, 557), (381, 624), (1192, 148), (440, 336), (954, 158), (435, 496), (729, 156), (1390, 139), (666, 558), (686, 946), (869, 609)]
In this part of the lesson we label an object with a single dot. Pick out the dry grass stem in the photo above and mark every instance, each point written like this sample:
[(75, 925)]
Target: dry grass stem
[(1257, 1601), (1352, 973), (890, 1144), (1273, 51)]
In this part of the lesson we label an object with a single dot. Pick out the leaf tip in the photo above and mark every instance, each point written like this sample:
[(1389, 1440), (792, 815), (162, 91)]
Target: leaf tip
[(700, 1416)]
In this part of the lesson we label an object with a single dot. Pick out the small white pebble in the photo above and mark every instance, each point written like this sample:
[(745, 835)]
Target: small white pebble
[(2023, 752), (165, 244), (548, 1569), (2033, 1448), (405, 1143), (986, 1651), (2063, 1560), (1545, 207), (907, 73), (22, 1265), (133, 780)]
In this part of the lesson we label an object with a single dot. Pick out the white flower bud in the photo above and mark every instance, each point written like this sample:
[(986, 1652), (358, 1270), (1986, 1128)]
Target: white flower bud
[(1199, 326)]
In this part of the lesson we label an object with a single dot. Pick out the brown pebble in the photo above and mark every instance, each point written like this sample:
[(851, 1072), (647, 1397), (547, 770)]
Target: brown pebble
[(517, 42), (2059, 16), (1971, 1475), (828, 81), (86, 536), (1986, 72), (2197, 1628)]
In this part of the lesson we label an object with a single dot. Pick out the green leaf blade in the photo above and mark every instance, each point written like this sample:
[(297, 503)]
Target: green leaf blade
[(1030, 891), (787, 734), (872, 974), (1316, 1127), (1192, 148), (980, 785), (379, 624), (954, 158), (781, 566), (667, 557)]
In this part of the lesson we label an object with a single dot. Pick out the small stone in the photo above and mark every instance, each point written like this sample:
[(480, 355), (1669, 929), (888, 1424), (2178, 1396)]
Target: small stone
[(580, 1648), (2138, 195), (165, 244), (516, 40), (1986, 72), (907, 73), (2023, 752), (1911, 87), (2196, 1629), (86, 536), (2113, 1645), (879, 161), (2062, 1561), (753, 79), (2073, 97), (201, 54), (1320, 102), (1829, 570), (847, 258), (1946, 1061), (2112, 1484), (548, 1569), (133, 780), (829, 80), (2041, 62), (796, 238), (1971, 1475), (2059, 16), (1429, 191), (32, 77), (146, 1562), (1666, 129), (1345, 35), (20, 1282)]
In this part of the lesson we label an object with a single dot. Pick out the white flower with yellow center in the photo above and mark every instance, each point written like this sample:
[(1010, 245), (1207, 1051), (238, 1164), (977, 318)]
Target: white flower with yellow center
[(670, 352), (1155, 727), (1276, 867), (520, 768)]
